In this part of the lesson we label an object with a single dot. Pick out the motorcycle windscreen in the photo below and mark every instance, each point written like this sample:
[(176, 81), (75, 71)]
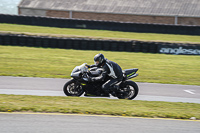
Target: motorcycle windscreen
[(76, 72), (76, 69)]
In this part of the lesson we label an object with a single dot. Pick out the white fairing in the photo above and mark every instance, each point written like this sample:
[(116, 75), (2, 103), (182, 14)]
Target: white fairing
[(83, 67), (112, 73)]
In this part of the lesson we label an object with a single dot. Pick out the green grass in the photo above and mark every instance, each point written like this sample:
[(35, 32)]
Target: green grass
[(58, 63), (99, 34), (15, 103)]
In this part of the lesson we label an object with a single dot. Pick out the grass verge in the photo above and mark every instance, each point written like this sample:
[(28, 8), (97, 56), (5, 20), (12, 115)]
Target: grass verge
[(58, 63), (79, 105), (97, 34)]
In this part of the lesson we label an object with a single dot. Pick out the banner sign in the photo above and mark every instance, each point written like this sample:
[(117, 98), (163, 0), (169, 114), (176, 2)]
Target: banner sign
[(183, 50)]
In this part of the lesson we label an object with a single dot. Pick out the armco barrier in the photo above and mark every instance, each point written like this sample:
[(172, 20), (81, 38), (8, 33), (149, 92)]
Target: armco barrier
[(92, 44), (99, 25)]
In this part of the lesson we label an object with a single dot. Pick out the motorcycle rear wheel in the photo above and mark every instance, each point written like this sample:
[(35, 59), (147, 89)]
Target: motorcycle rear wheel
[(130, 90), (72, 89)]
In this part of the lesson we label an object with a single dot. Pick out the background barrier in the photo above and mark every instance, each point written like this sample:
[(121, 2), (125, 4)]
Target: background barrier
[(99, 25), (92, 44)]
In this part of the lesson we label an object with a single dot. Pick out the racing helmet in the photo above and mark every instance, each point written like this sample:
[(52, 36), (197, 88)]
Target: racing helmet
[(99, 59)]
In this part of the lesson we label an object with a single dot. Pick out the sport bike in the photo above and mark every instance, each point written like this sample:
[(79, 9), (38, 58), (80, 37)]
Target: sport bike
[(80, 83)]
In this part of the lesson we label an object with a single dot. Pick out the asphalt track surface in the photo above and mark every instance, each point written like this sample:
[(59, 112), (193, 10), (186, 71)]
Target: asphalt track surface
[(53, 87), (51, 123)]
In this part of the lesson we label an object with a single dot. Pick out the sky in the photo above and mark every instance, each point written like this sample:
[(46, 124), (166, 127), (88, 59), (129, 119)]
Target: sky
[(9, 6)]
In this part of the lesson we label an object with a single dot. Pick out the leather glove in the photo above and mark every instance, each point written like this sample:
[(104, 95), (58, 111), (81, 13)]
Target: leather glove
[(88, 66)]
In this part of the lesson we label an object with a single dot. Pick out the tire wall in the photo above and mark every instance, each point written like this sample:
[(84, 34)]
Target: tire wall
[(92, 44)]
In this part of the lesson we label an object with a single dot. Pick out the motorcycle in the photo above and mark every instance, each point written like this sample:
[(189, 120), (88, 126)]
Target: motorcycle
[(79, 83)]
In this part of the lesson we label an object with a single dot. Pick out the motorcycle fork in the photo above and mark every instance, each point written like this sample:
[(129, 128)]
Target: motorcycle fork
[(76, 85)]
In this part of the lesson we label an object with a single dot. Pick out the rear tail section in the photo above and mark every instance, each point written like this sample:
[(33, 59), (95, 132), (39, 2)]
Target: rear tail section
[(130, 73)]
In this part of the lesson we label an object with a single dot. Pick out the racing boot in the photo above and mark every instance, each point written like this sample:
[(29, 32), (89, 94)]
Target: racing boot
[(116, 88)]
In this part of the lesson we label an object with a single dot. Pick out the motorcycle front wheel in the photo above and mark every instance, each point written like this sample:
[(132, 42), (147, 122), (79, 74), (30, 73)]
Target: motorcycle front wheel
[(129, 90), (71, 88)]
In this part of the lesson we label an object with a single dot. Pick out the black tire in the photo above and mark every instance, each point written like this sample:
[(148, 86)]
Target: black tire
[(72, 89), (130, 90)]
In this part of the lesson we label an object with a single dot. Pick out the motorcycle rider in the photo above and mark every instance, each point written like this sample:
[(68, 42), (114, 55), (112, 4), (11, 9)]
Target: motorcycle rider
[(110, 68)]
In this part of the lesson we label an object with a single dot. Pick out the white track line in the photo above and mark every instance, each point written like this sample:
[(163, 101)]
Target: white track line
[(190, 91)]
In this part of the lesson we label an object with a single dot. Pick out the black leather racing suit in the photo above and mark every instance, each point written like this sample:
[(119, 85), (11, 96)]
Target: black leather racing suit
[(113, 70)]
